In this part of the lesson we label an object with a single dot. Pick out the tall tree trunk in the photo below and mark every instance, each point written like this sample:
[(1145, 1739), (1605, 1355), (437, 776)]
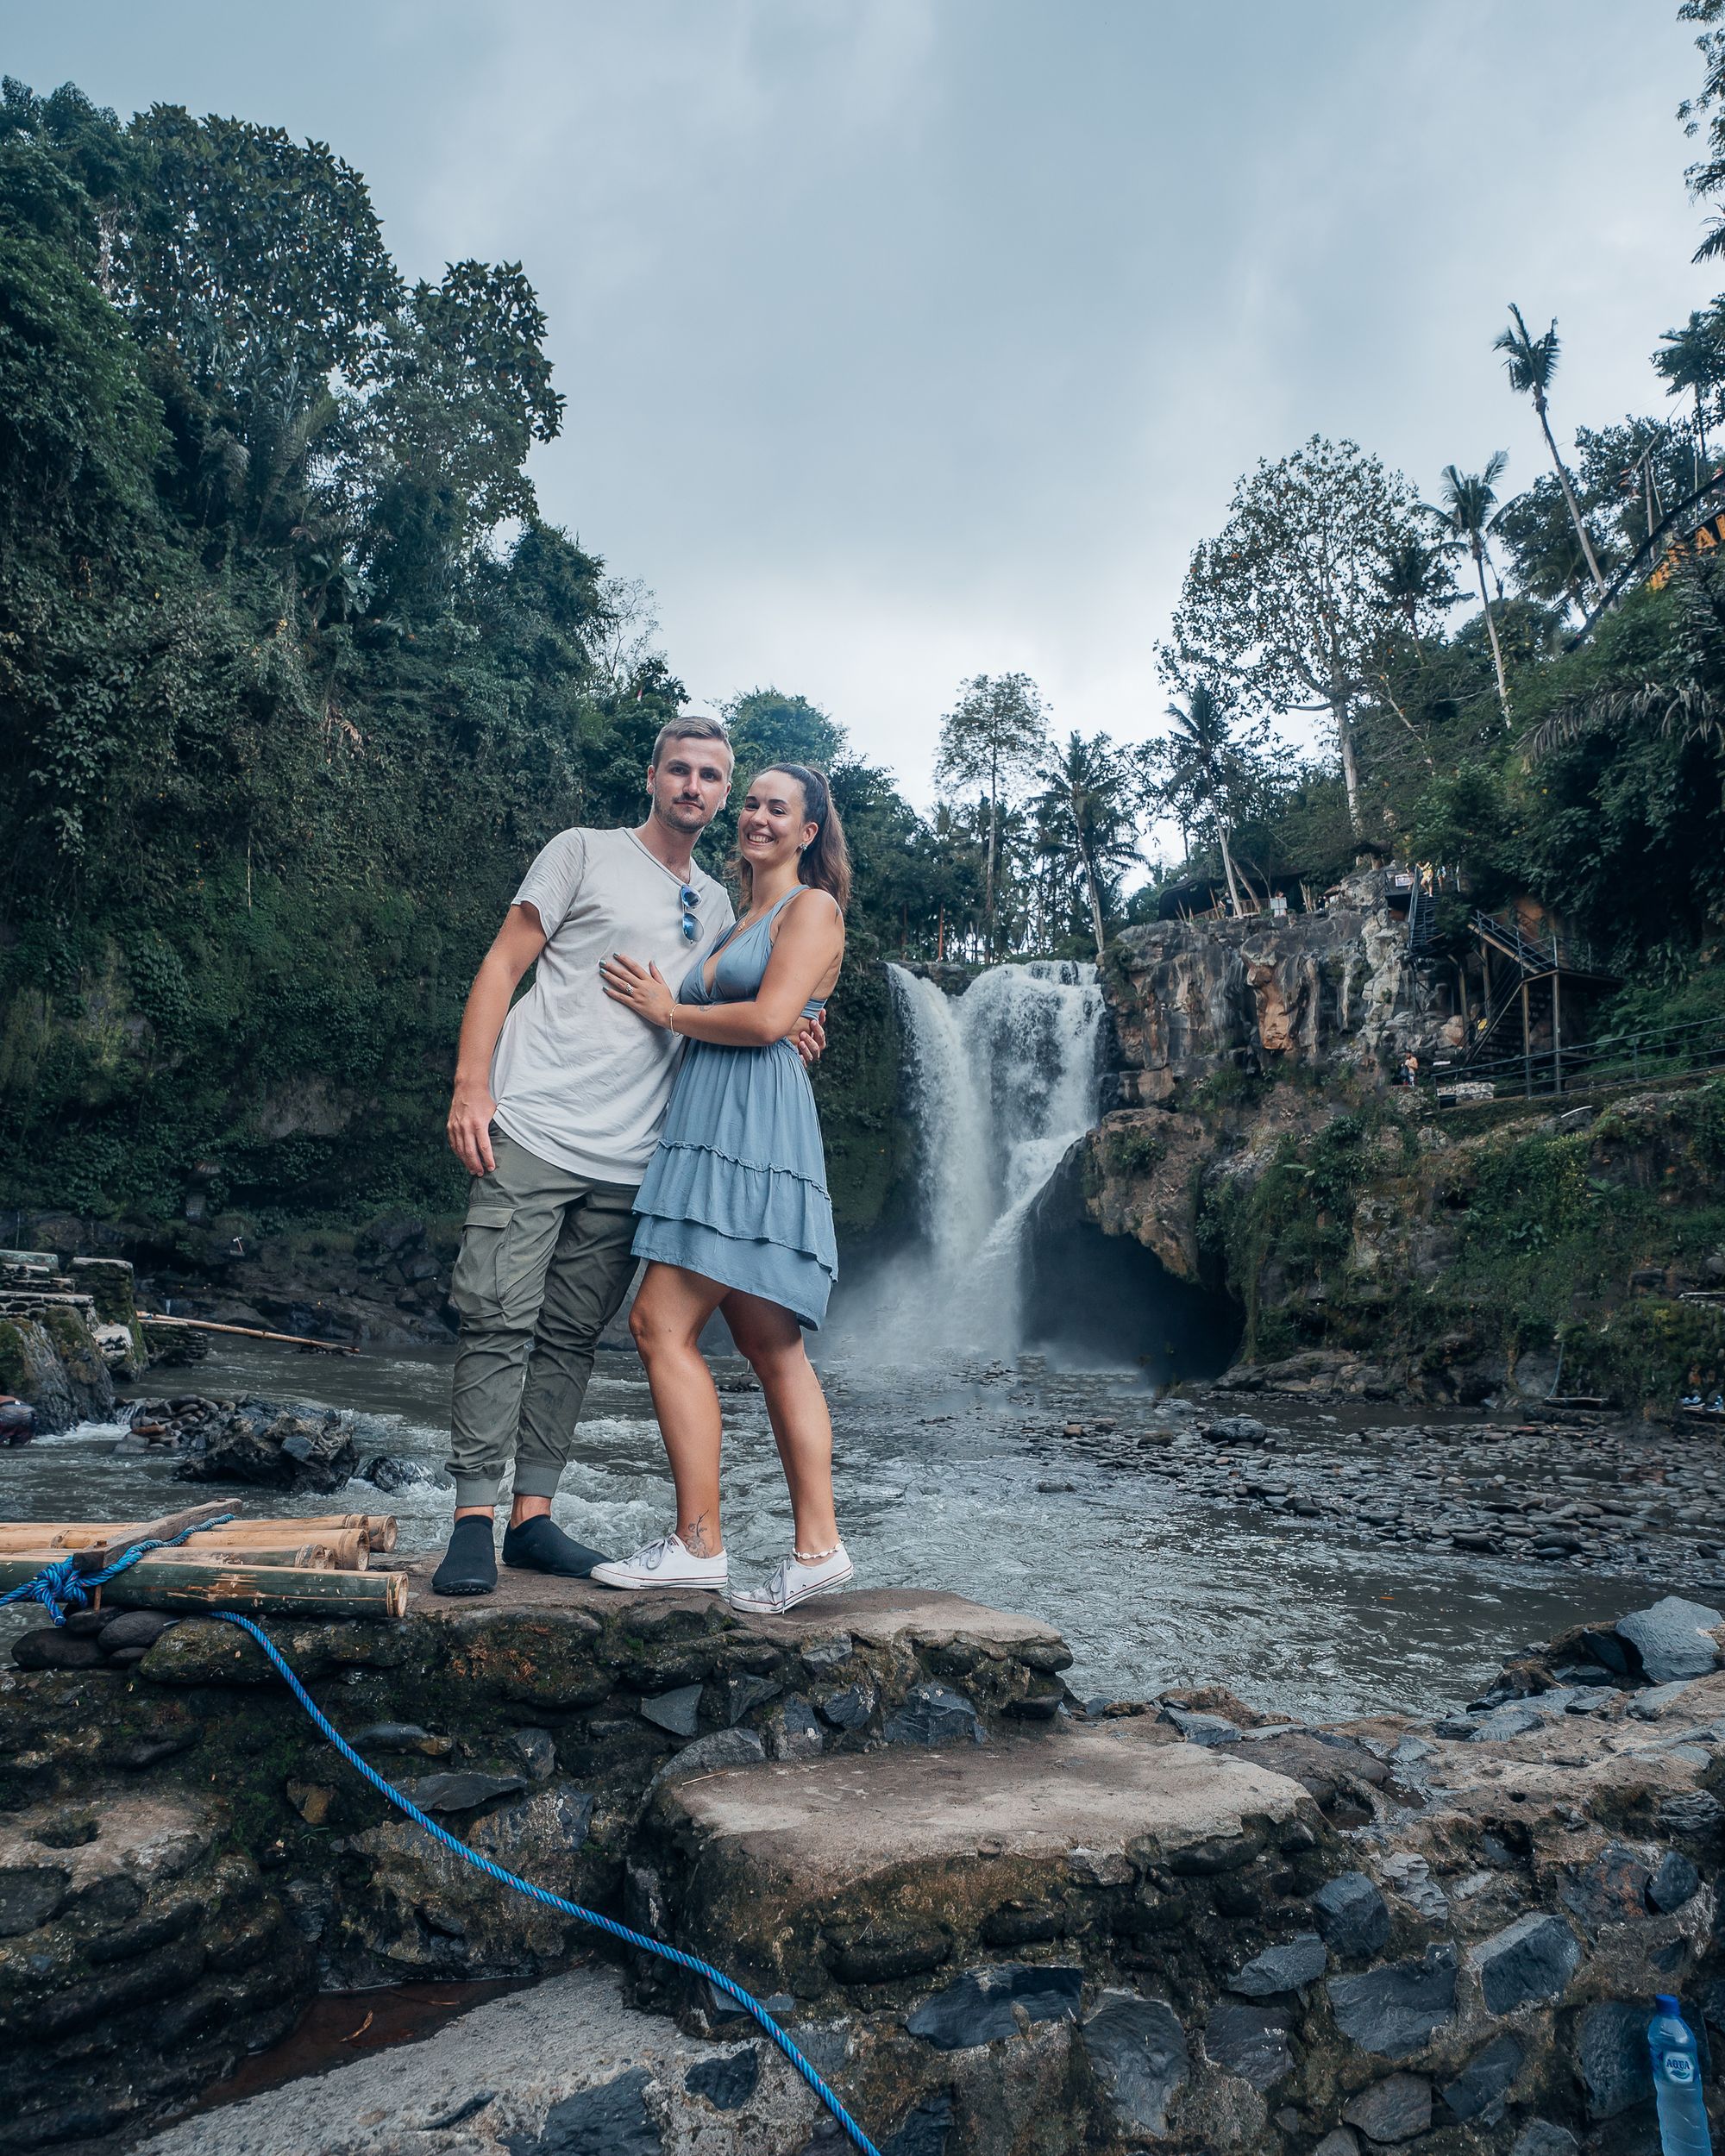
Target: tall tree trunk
[(1491, 630), (988, 882), (1090, 889), (1701, 437), (1574, 505), (1228, 865), (1338, 712)]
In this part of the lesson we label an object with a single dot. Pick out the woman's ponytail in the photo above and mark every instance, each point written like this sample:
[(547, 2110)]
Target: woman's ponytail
[(825, 862)]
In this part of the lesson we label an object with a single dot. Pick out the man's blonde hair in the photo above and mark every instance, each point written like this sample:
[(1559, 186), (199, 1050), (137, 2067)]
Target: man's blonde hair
[(696, 727)]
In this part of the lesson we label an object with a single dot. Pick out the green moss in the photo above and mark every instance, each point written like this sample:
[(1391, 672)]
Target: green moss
[(868, 1141), (1545, 1231), (13, 1365), (1133, 1151)]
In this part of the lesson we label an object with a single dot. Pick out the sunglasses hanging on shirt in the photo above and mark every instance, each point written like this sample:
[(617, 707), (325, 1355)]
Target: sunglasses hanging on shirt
[(691, 900)]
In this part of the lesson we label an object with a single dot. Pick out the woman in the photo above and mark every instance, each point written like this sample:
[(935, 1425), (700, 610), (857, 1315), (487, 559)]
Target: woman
[(734, 1210)]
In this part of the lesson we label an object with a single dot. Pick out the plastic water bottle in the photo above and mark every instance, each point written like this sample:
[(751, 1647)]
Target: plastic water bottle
[(1676, 2081)]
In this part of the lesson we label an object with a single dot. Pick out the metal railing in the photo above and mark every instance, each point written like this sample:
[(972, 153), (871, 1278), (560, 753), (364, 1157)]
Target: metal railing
[(1615, 1059), (1535, 954)]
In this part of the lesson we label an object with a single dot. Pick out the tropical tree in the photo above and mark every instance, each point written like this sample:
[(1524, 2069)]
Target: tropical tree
[(1465, 514), (1530, 363), (1693, 360), (1203, 773), (1284, 608), (1415, 579), (1087, 822), (996, 738)]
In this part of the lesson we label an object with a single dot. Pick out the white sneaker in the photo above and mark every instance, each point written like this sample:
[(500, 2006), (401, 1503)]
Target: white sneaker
[(665, 1563), (793, 1580)]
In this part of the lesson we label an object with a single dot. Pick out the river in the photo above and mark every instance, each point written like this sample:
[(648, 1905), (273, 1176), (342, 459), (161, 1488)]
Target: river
[(952, 1469), (963, 1482)]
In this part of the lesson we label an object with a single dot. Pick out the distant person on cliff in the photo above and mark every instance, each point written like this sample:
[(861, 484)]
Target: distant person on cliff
[(733, 1211), (557, 1105)]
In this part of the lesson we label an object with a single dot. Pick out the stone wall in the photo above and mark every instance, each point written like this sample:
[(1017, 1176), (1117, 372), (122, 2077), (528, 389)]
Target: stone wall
[(67, 1335), (1002, 1923)]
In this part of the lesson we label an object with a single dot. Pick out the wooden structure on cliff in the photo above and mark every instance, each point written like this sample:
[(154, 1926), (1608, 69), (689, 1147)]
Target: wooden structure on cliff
[(1532, 981)]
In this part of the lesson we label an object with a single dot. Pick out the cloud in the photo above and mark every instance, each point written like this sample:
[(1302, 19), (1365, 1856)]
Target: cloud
[(907, 339)]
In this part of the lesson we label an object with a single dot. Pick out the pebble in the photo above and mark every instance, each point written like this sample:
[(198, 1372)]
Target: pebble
[(1595, 1494)]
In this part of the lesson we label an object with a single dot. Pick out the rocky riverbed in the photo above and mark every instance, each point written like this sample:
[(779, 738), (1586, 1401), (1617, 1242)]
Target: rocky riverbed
[(1594, 1491), (1003, 1923)]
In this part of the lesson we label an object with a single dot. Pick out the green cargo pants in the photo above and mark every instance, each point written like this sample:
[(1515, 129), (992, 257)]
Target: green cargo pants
[(545, 1262)]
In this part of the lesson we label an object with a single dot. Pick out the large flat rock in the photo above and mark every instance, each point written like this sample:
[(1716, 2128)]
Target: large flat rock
[(876, 1868), (568, 2066), (1105, 1789), (876, 1616)]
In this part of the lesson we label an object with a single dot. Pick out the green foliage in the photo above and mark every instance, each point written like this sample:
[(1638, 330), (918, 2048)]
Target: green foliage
[(281, 721)]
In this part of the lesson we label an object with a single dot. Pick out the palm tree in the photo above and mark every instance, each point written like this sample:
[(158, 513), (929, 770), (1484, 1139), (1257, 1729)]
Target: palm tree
[(1693, 360), (1087, 818), (1200, 762), (1469, 498), (1416, 575), (1532, 362)]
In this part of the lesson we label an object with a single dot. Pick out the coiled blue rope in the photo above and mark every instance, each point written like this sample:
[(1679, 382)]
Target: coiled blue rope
[(60, 1586), (608, 1925)]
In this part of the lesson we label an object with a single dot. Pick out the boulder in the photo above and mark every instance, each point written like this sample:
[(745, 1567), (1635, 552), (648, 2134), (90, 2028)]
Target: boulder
[(1533, 1959), (1611, 2051), (135, 1628), (1250, 2042), (1351, 1915), (728, 2082), (464, 1790), (1302, 1960), (30, 1895), (613, 2117), (1479, 2091), (1392, 2110), (262, 1443), (1674, 1639), (52, 1647), (934, 1714), (984, 2003), (1539, 2137), (677, 1712), (1137, 2049), (1395, 2010), (1677, 1881)]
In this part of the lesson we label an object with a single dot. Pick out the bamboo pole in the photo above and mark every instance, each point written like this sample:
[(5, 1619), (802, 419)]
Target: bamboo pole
[(379, 1528), (61, 1535), (349, 1550), (247, 1333), (190, 1586)]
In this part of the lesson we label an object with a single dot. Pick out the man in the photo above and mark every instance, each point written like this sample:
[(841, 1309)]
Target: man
[(557, 1105)]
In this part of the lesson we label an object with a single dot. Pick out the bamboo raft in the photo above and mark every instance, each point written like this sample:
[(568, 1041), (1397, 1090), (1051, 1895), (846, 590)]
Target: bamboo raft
[(318, 1567)]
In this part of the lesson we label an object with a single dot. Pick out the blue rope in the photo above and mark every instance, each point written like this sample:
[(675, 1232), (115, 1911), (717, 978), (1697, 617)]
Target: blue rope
[(60, 1586), (638, 1939)]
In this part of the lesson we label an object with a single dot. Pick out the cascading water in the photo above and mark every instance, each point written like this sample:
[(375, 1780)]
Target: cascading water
[(1002, 1081)]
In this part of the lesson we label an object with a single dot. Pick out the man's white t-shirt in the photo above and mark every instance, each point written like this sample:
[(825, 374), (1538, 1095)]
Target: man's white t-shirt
[(579, 1080)]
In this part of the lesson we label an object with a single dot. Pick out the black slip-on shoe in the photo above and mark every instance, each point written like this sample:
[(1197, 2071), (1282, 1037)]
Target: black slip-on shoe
[(539, 1545), (469, 1565)]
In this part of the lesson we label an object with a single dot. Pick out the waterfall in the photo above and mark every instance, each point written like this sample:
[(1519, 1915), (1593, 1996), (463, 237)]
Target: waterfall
[(1002, 1083)]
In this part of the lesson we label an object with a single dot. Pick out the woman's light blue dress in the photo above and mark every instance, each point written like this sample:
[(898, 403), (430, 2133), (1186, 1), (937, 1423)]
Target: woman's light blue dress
[(736, 1190)]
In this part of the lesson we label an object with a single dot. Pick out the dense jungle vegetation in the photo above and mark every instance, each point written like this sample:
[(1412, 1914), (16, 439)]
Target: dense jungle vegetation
[(294, 679)]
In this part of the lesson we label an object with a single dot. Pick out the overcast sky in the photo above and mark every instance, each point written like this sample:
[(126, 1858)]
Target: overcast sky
[(906, 340)]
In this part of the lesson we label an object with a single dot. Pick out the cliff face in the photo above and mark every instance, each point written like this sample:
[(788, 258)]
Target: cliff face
[(1235, 1035), (1317, 993), (1260, 1150)]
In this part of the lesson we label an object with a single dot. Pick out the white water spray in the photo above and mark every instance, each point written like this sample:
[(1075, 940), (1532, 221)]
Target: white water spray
[(1002, 1081)]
